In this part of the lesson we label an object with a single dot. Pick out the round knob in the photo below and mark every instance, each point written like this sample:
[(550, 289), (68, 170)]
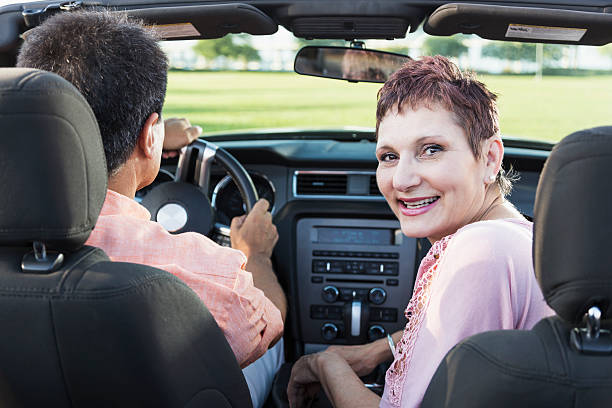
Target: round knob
[(377, 296), (330, 294), (376, 332), (329, 331)]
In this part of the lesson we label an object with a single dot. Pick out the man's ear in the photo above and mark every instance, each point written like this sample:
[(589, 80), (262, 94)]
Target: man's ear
[(146, 139), (493, 153)]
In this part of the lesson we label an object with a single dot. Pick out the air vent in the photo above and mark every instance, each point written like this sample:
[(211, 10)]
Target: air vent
[(374, 186), (321, 184)]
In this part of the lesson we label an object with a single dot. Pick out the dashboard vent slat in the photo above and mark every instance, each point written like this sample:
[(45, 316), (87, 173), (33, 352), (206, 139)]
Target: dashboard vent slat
[(321, 184), (374, 186)]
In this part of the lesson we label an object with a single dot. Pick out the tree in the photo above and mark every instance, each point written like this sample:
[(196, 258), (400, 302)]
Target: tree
[(233, 47), (447, 46), (606, 50), (398, 49), (517, 51), (302, 42)]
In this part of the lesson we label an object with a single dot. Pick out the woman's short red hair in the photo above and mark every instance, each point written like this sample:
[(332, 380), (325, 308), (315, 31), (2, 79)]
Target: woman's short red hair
[(437, 81)]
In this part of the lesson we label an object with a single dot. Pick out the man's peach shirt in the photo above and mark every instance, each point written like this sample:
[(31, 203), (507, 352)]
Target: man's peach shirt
[(249, 320)]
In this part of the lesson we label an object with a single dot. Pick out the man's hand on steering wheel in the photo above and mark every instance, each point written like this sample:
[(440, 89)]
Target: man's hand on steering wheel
[(179, 133), (254, 234)]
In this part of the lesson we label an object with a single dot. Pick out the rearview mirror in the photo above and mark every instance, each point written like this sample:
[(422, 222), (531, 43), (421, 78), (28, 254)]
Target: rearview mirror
[(351, 64)]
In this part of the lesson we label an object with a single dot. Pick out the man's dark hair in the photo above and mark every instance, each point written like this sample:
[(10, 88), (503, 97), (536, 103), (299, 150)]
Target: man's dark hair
[(114, 61)]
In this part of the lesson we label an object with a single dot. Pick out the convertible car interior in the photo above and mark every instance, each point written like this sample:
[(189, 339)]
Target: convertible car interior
[(72, 322)]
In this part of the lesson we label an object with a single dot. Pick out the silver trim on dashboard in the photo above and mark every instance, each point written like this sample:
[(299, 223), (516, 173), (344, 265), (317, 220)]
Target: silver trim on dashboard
[(334, 196)]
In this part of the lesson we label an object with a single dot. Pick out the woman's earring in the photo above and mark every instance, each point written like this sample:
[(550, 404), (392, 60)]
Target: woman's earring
[(491, 178)]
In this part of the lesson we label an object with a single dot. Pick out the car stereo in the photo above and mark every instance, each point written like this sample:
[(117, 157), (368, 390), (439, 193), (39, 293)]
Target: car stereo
[(354, 279)]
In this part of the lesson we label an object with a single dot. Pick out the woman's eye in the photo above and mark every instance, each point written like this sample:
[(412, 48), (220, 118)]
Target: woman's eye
[(385, 157), (430, 150)]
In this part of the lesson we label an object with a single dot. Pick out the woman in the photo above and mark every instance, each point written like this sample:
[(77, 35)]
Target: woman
[(439, 167)]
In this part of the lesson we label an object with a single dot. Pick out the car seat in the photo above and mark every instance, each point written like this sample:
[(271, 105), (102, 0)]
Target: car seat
[(565, 360), (75, 328)]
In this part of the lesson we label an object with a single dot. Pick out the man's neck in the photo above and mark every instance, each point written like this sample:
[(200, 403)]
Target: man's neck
[(124, 181)]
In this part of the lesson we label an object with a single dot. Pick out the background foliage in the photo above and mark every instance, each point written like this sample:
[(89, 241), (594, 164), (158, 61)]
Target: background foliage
[(219, 101)]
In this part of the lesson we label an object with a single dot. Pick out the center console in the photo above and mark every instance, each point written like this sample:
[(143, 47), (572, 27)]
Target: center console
[(354, 279)]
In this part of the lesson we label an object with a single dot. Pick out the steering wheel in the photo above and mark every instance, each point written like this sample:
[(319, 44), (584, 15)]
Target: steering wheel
[(183, 205)]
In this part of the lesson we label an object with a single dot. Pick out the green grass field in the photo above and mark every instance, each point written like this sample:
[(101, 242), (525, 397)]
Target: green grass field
[(223, 101)]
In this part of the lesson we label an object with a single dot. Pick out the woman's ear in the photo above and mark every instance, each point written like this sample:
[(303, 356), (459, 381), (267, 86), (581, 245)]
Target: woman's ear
[(493, 152), (146, 139)]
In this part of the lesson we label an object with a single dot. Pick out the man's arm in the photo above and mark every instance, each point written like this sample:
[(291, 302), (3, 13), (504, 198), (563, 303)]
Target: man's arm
[(256, 236)]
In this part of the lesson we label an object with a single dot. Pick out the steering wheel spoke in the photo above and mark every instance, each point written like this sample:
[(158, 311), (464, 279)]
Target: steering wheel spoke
[(221, 234)]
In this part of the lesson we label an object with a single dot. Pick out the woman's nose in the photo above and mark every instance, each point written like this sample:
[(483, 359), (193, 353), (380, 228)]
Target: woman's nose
[(406, 175)]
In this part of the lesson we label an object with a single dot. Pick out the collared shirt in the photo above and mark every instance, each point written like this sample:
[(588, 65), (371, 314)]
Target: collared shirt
[(249, 320)]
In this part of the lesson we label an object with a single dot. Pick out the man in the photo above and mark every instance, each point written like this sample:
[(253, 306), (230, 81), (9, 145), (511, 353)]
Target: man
[(122, 72)]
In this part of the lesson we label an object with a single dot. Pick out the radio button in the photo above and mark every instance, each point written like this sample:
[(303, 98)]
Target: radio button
[(318, 266), (390, 268), (330, 294), (377, 296), (376, 332), (329, 331), (346, 294), (376, 314), (392, 282), (317, 312), (389, 315)]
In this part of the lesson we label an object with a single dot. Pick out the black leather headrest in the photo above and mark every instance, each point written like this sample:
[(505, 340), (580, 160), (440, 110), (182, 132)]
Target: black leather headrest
[(52, 166), (573, 225)]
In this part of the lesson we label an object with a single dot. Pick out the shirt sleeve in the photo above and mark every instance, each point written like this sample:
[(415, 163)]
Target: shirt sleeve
[(248, 319), (476, 290)]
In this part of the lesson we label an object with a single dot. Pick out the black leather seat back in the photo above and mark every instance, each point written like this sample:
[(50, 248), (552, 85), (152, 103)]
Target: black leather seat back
[(565, 360), (87, 332), (571, 248)]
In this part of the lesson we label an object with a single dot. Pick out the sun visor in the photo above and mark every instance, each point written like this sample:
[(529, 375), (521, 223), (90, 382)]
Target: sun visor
[(206, 21), (509, 23)]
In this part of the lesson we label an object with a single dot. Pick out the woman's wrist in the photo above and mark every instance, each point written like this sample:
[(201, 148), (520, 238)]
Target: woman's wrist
[(381, 350)]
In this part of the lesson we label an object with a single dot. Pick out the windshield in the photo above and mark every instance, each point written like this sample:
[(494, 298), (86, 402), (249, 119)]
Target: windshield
[(247, 82)]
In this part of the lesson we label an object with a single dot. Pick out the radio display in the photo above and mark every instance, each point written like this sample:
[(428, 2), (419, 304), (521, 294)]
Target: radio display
[(355, 236)]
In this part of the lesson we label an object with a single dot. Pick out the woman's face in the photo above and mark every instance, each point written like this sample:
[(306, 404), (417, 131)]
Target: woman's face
[(428, 173)]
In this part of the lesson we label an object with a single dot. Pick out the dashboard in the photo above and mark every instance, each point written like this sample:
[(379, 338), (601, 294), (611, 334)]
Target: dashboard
[(347, 270)]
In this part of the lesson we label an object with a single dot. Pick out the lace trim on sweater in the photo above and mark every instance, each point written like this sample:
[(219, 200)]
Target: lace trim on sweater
[(415, 313)]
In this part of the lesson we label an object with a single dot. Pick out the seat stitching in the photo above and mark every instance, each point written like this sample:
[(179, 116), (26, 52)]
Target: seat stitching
[(566, 365), (85, 294), (88, 252), (544, 348), (59, 355)]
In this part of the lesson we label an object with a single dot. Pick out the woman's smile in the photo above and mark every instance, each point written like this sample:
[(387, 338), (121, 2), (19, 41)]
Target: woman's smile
[(417, 206)]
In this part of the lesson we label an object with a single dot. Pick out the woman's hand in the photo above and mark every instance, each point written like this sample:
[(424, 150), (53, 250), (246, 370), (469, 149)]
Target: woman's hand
[(304, 382), (364, 358), (335, 375)]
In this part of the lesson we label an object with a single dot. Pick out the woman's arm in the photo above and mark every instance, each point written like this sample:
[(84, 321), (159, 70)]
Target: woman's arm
[(335, 375), (364, 358)]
